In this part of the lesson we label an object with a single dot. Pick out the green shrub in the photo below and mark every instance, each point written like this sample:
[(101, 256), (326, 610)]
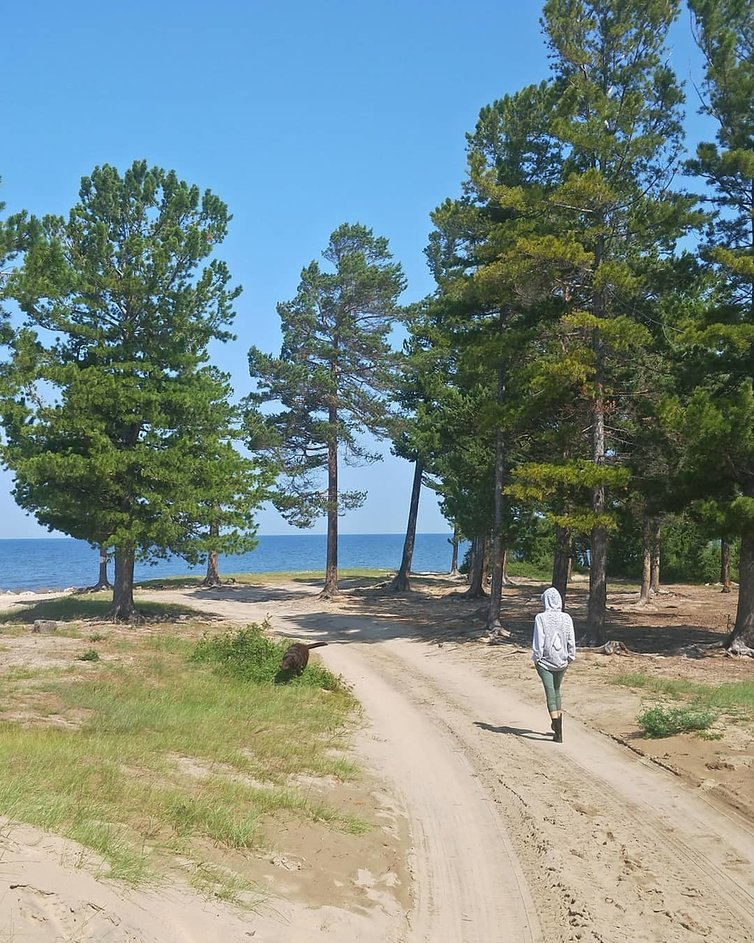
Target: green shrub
[(90, 654), (659, 722), (248, 655)]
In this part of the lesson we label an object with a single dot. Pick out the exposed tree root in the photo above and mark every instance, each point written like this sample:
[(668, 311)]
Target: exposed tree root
[(469, 594), (737, 647), (133, 618), (611, 647), (97, 588)]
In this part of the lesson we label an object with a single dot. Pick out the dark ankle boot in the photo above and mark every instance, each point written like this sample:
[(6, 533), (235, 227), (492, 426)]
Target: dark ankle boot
[(557, 726)]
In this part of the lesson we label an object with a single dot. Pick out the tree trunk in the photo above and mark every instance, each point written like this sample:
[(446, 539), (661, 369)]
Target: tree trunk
[(506, 580), (725, 565), (454, 558), (476, 570), (561, 561), (401, 582), (102, 582), (743, 630), (595, 626), (330, 589), (123, 592), (646, 562), (496, 561), (655, 555), (213, 573)]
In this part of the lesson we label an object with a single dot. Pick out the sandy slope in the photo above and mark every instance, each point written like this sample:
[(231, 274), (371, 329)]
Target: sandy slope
[(514, 838)]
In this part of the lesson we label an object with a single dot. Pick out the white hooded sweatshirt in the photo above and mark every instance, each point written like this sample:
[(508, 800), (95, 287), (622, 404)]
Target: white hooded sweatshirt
[(554, 642)]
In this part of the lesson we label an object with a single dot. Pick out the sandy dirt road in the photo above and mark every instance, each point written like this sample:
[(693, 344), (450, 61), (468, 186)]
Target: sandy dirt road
[(516, 838)]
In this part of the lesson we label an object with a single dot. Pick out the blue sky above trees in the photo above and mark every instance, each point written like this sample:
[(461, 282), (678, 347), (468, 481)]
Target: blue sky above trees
[(299, 115)]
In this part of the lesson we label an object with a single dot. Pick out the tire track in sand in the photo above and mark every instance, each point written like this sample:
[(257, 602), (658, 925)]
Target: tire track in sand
[(613, 848), (518, 839)]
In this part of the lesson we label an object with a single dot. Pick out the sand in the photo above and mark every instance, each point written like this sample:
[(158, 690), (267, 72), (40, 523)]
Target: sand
[(493, 832)]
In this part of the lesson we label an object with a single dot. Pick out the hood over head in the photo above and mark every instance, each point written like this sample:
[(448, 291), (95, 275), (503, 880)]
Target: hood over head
[(551, 599)]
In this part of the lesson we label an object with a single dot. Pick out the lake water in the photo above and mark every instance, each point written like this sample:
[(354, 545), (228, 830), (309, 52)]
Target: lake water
[(58, 563)]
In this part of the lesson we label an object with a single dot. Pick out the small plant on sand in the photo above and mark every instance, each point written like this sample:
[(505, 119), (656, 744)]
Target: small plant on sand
[(659, 721)]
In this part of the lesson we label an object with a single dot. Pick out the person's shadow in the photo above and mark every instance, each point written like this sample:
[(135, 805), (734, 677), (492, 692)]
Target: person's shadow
[(514, 731)]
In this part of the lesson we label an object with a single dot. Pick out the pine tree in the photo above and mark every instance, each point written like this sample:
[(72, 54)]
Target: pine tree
[(491, 263), (115, 425), (332, 379), (14, 237), (719, 415), (619, 124)]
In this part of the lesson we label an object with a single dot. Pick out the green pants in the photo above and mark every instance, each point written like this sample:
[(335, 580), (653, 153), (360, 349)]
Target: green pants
[(551, 681)]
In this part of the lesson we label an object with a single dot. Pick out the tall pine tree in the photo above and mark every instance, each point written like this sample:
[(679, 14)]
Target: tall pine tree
[(331, 381), (619, 123), (718, 417), (113, 409)]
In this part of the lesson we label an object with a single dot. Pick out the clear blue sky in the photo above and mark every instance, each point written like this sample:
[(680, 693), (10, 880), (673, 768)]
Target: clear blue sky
[(300, 114)]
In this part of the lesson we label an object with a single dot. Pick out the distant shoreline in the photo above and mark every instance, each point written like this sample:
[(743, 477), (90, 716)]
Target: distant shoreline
[(297, 535), (56, 563)]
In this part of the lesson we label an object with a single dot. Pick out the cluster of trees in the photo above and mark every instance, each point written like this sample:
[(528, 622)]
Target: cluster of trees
[(585, 365), (597, 370)]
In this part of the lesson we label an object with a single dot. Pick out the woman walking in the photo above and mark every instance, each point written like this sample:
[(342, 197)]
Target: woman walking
[(553, 649)]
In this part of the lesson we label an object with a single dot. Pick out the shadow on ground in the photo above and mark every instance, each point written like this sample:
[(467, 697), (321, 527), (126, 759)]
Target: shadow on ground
[(514, 731), (434, 611)]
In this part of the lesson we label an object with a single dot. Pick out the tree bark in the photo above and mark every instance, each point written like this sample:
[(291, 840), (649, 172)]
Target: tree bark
[(656, 531), (454, 556), (725, 565), (646, 562), (561, 561), (743, 630), (213, 572), (476, 570), (123, 592), (595, 627), (504, 564), (496, 561), (330, 589), (102, 581), (496, 586), (401, 581)]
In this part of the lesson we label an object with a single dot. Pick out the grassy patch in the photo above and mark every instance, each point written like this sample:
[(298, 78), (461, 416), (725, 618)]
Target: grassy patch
[(94, 606), (247, 654), (529, 571), (152, 760), (670, 687), (659, 721), (272, 577), (734, 699), (730, 696)]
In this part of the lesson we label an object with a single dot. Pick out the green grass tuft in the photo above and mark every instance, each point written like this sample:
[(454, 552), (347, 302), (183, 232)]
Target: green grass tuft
[(91, 654), (659, 722), (248, 655), (93, 606)]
